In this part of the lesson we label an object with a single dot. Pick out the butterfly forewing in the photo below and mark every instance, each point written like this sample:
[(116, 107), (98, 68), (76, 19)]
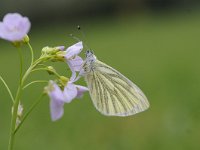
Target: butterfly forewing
[(112, 93)]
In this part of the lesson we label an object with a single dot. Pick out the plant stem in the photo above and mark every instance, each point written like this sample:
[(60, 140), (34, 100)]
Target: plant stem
[(16, 103), (9, 91), (37, 81), (14, 118), (45, 69), (21, 63), (29, 111), (32, 54)]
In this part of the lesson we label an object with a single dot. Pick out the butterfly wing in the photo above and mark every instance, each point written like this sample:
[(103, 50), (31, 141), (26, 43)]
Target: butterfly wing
[(112, 93)]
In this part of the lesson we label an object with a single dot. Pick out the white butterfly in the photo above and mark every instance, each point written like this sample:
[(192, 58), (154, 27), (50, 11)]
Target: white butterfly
[(111, 92)]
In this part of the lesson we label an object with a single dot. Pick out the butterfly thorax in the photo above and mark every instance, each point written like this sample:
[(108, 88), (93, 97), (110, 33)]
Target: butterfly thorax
[(89, 61), (90, 57)]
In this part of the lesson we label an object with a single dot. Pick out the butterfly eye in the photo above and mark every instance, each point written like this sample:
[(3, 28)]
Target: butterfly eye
[(87, 52)]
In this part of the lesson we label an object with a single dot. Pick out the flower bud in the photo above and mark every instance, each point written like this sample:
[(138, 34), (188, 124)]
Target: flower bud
[(50, 70), (17, 44), (60, 56), (19, 114), (26, 39), (64, 80), (49, 50), (61, 48)]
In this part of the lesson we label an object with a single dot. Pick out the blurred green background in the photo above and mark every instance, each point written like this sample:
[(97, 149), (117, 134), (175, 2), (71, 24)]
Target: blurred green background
[(154, 43)]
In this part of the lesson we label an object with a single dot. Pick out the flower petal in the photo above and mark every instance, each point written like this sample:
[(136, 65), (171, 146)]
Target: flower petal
[(73, 50), (61, 48), (76, 63), (56, 102), (56, 108), (81, 90), (70, 92), (73, 77), (55, 92)]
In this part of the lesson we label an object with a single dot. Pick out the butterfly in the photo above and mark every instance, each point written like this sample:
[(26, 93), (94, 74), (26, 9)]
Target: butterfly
[(111, 92)]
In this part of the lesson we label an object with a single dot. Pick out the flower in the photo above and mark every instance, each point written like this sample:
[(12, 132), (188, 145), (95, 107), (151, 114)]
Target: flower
[(70, 90), (14, 27), (74, 62), (56, 100), (58, 97)]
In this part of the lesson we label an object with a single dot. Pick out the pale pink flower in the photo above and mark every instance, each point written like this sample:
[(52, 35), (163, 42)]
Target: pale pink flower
[(14, 27), (58, 97)]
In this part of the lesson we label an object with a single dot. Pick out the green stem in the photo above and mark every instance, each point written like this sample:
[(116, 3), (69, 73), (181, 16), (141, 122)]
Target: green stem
[(39, 69), (43, 65), (45, 69), (15, 104), (32, 54), (29, 70), (21, 63), (14, 118), (37, 81), (29, 111), (10, 93)]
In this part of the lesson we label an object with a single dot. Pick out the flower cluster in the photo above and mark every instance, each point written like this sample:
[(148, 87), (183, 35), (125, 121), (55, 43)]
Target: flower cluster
[(15, 28), (70, 90)]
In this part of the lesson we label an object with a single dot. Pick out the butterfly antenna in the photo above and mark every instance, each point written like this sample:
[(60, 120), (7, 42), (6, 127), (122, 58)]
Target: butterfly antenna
[(74, 37), (83, 36)]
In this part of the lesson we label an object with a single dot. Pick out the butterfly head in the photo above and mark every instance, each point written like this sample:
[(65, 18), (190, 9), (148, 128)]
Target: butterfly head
[(89, 53)]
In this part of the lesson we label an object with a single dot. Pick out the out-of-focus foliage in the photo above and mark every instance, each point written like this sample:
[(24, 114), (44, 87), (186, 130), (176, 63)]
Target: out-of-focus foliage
[(47, 10), (158, 53)]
